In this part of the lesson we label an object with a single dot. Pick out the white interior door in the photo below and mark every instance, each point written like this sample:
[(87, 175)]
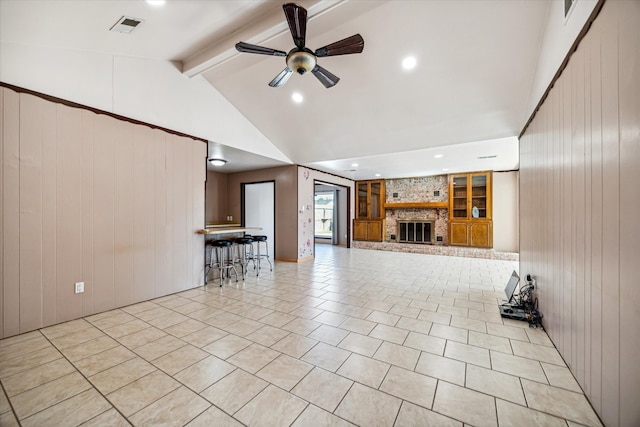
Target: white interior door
[(259, 211)]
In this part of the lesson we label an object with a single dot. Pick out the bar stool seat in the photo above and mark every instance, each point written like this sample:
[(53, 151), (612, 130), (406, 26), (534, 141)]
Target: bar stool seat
[(222, 259), (258, 253)]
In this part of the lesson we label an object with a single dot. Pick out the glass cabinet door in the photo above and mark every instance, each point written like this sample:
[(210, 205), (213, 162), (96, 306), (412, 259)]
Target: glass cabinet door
[(374, 209), (479, 196), (362, 200), (460, 208)]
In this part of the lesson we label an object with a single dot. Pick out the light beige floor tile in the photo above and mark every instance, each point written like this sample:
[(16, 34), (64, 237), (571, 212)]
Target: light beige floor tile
[(330, 318), (202, 374), (89, 348), (272, 407), (176, 408), (119, 317), (187, 327), (8, 419), (441, 368), (141, 338), (365, 406), (384, 318), (364, 370), (537, 352), (158, 348), (243, 327), (379, 306), (559, 376), (538, 336), (213, 417), (204, 336), (389, 333), (180, 359), (478, 409), (28, 361), (409, 385), (110, 418), (469, 324), (39, 398), (423, 342), (19, 338), (518, 366), (314, 416), (4, 402), (102, 361), (433, 317), (507, 332), (489, 317), (65, 328), (566, 404), (277, 319), (167, 321), (267, 335), (495, 383), (285, 371), (455, 311), (411, 415), (253, 358), (122, 374), (332, 306), (323, 388), (510, 414), (73, 411), (415, 325), (449, 333), (326, 356), (294, 345), (468, 353), (154, 313), (227, 346), (397, 355), (360, 344), (359, 326), (306, 312), (140, 307), (234, 391), (23, 348), (142, 392), (37, 376), (329, 334), (424, 305), (441, 300), (469, 304), (302, 326), (205, 313), (490, 342)]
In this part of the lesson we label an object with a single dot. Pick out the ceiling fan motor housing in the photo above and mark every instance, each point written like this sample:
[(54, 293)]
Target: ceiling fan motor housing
[(301, 61)]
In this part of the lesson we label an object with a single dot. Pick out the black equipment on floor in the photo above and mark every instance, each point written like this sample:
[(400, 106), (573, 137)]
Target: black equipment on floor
[(521, 306)]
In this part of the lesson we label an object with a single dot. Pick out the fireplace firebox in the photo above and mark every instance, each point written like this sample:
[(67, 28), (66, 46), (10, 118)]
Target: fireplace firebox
[(415, 231)]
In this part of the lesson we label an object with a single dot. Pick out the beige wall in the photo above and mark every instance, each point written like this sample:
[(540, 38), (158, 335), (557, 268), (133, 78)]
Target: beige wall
[(86, 197), (216, 198), (285, 178), (505, 211), (579, 201)]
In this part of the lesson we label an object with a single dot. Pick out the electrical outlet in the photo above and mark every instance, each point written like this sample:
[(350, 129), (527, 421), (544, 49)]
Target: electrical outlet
[(79, 287)]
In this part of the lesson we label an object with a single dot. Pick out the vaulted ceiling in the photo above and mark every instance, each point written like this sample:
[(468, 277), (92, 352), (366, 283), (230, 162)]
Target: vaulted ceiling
[(466, 100)]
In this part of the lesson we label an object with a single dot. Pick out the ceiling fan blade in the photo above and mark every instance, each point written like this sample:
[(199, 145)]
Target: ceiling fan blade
[(353, 44), (281, 78), (325, 77), (297, 20), (261, 50)]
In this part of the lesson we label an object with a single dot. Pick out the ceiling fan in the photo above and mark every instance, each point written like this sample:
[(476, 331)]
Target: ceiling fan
[(301, 59)]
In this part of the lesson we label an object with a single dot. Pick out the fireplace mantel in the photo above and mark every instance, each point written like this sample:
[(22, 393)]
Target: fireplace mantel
[(417, 205)]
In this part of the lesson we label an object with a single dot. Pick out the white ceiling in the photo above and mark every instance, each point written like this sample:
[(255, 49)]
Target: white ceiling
[(468, 97)]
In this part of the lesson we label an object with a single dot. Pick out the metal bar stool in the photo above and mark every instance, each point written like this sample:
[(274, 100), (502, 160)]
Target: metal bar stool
[(259, 255), (224, 260), (244, 247)]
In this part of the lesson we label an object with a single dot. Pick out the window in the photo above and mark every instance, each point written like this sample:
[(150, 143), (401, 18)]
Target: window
[(324, 204)]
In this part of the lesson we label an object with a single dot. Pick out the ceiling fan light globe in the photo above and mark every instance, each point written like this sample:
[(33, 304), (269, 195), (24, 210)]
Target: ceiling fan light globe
[(301, 62)]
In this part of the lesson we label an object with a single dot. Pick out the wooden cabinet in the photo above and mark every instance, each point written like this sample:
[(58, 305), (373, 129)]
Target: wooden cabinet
[(470, 221), (370, 216)]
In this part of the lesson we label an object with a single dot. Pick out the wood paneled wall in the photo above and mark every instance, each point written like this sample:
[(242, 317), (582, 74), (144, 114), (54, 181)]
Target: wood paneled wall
[(579, 204), (86, 197)]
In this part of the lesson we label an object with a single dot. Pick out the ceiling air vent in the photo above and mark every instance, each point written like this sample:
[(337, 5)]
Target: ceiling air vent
[(125, 25), (493, 156)]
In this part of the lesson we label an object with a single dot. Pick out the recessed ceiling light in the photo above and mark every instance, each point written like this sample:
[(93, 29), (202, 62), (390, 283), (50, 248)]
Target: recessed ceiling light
[(377, 174), (297, 97), (409, 62), (354, 165), (438, 156), (155, 2), (445, 169)]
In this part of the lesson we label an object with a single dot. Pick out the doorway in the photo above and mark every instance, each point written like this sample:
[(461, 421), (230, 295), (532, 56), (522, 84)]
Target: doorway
[(258, 210), (330, 214)]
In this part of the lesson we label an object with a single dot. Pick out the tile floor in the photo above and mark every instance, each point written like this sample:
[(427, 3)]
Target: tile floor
[(355, 337)]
